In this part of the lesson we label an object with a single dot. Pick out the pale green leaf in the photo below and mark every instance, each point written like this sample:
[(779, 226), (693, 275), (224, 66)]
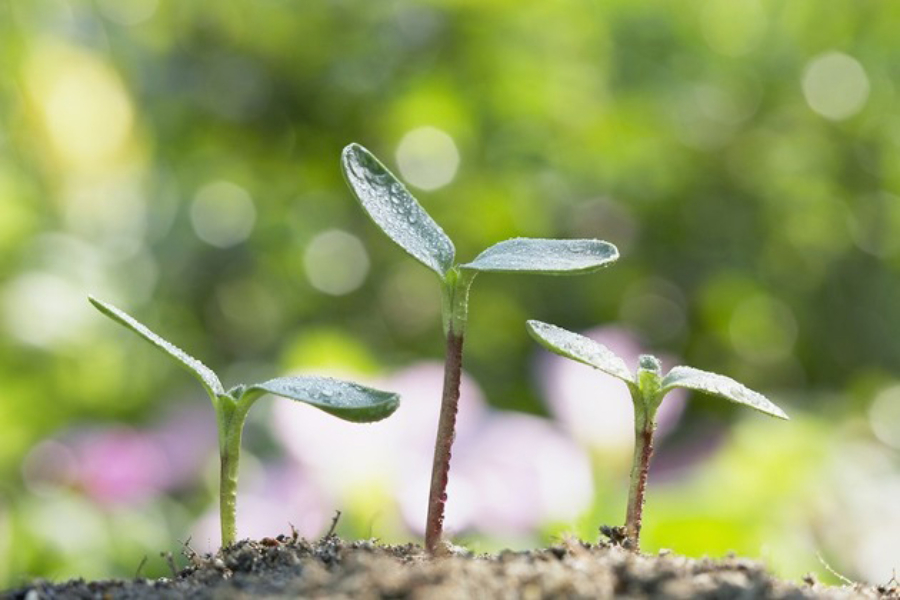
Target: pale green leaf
[(206, 376), (580, 348), (554, 257), (346, 400), (721, 386), (395, 211)]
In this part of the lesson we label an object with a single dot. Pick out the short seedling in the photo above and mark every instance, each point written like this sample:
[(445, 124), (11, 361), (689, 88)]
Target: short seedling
[(343, 399), (648, 388), (400, 216)]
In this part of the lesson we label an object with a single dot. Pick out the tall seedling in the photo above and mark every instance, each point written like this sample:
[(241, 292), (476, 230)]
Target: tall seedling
[(648, 388), (343, 399), (400, 216)]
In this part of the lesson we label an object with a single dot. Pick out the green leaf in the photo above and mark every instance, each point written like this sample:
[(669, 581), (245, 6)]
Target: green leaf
[(202, 372), (395, 210), (555, 257), (721, 386), (343, 399), (580, 348)]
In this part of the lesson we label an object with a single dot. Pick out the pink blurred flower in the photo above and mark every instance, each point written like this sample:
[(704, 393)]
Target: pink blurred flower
[(122, 464)]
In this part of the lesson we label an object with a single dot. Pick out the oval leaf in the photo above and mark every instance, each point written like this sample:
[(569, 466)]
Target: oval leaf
[(721, 386), (580, 348), (554, 257), (343, 399), (395, 210), (206, 376)]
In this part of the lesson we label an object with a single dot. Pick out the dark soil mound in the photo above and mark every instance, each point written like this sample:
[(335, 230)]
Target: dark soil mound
[(332, 568)]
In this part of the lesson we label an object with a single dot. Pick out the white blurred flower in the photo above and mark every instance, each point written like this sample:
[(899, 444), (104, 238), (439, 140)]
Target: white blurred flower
[(517, 473), (509, 473), (343, 457), (859, 516)]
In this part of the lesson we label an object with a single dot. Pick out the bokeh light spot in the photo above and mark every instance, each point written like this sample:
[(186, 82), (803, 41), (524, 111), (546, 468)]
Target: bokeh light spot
[(336, 262), (222, 214), (884, 416), (875, 224), (763, 329), (654, 307), (250, 308), (42, 309), (50, 465), (428, 158), (111, 212), (83, 105), (409, 299), (835, 85)]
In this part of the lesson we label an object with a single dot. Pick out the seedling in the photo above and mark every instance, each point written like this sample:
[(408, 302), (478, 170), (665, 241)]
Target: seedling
[(399, 215), (648, 388), (343, 399)]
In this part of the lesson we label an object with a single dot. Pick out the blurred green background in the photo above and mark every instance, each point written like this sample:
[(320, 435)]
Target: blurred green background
[(181, 159)]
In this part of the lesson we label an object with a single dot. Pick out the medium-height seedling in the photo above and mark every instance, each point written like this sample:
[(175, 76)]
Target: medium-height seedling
[(399, 215), (343, 399), (648, 388)]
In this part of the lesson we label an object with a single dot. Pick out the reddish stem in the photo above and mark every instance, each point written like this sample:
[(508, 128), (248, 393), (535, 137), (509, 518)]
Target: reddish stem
[(446, 431), (643, 450)]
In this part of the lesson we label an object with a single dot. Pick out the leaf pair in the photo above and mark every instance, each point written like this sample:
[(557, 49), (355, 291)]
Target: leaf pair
[(402, 218), (399, 215), (343, 399), (594, 354)]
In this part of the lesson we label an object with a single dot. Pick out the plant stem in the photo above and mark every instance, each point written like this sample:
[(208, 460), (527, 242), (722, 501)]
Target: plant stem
[(228, 498), (446, 432), (456, 309), (640, 467), (231, 416)]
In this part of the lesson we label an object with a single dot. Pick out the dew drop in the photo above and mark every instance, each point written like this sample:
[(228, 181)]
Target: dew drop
[(354, 168)]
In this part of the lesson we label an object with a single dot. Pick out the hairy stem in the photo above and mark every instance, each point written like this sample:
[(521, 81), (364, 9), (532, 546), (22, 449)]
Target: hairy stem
[(643, 450), (440, 470), (455, 309), (228, 498), (231, 418)]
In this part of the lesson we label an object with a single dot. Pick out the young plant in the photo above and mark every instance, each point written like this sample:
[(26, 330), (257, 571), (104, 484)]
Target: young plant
[(648, 388), (400, 216), (343, 399)]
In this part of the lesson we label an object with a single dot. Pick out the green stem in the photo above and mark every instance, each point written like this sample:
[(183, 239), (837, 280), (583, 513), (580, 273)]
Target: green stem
[(230, 416), (455, 305), (643, 449)]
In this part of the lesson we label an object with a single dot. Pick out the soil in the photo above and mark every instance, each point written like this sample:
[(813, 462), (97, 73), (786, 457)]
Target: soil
[(289, 567)]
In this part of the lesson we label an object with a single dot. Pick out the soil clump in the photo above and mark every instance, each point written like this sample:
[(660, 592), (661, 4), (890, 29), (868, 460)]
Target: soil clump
[(291, 567)]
